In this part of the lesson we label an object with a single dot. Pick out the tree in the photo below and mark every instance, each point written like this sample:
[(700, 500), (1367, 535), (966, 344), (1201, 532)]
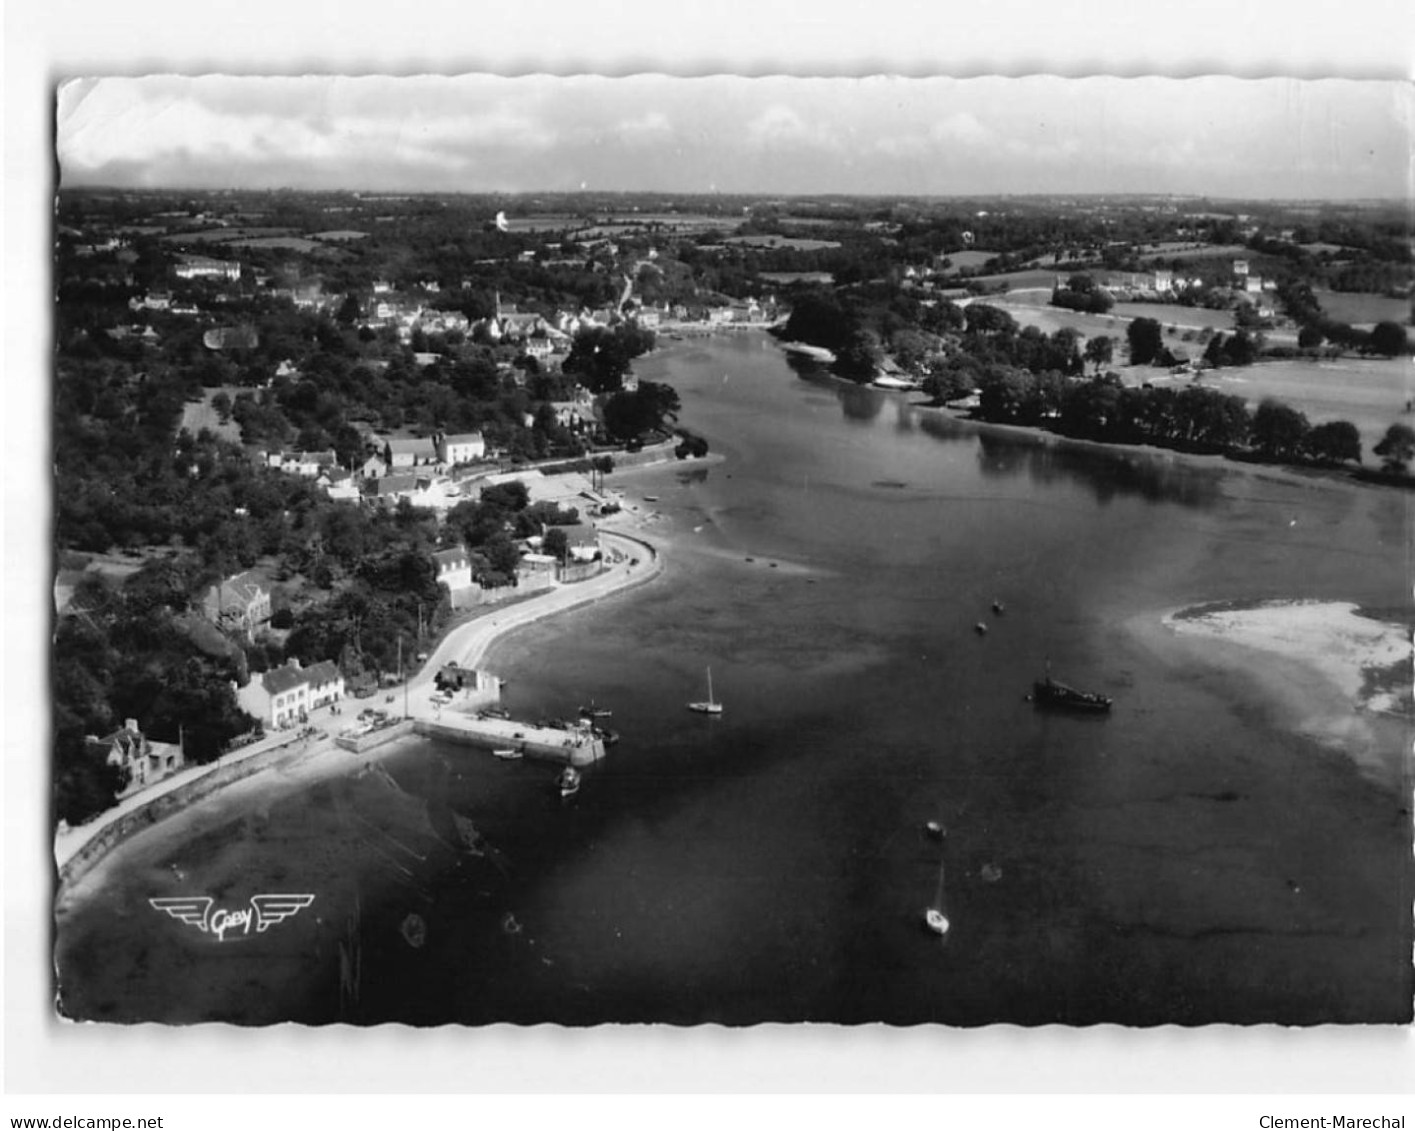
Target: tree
[(349, 311), (1240, 349), (1397, 447), (1145, 337), (860, 355), (629, 416), (1389, 339), (1335, 441), (1279, 432), (556, 543), (1099, 351)]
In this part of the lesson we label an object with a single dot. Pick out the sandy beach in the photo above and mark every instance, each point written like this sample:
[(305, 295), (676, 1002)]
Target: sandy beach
[(1337, 675)]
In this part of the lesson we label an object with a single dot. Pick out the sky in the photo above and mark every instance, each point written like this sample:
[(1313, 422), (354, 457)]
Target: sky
[(1216, 135)]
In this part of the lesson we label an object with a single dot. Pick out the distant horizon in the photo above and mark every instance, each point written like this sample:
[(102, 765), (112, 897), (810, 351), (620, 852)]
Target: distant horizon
[(478, 134), (1406, 200)]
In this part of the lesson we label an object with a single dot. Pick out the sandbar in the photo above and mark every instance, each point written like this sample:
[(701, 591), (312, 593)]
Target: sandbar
[(1340, 677)]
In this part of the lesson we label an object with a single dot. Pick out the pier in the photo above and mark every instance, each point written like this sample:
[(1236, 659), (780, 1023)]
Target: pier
[(573, 746)]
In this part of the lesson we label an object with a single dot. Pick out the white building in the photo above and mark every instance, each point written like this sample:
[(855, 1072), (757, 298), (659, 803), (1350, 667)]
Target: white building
[(463, 447), (286, 695), (454, 568), (204, 267)]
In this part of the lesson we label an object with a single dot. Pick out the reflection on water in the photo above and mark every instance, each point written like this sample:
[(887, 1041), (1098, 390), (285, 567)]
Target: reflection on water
[(1046, 460), (1107, 473)]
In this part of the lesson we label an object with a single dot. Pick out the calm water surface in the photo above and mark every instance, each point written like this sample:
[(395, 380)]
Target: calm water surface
[(1186, 859)]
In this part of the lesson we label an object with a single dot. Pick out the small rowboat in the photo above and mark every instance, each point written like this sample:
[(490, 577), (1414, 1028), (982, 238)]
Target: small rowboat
[(508, 753), (935, 829), (936, 921)]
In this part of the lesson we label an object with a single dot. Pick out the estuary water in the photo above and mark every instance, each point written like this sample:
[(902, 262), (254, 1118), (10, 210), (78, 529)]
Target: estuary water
[(1187, 859)]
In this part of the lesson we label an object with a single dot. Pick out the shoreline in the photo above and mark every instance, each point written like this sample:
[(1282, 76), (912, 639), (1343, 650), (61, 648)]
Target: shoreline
[(1332, 674), (639, 561)]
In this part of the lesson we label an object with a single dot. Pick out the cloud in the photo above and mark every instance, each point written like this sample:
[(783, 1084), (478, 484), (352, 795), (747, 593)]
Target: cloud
[(962, 128), (780, 125), (648, 128)]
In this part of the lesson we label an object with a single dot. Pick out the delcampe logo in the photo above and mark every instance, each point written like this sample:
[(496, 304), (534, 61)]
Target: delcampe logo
[(264, 912)]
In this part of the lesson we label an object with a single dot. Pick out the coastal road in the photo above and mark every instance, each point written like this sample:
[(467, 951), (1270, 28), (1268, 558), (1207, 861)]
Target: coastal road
[(633, 561)]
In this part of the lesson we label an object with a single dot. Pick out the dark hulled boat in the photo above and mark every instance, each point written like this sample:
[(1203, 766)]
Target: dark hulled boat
[(1052, 693)]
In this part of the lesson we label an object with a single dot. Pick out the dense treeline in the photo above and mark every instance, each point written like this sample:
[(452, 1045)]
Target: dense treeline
[(1191, 418), (138, 651)]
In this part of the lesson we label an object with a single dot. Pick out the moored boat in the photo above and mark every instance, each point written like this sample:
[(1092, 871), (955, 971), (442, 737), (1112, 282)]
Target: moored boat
[(568, 782), (509, 753), (708, 706), (936, 921), (1049, 692)]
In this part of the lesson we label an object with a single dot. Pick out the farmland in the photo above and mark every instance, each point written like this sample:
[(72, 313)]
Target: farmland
[(786, 278), (1370, 393), (277, 243), (1364, 309), (788, 243), (968, 260)]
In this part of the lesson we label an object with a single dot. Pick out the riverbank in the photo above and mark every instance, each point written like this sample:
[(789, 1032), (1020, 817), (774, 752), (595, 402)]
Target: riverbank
[(1332, 673), (303, 761)]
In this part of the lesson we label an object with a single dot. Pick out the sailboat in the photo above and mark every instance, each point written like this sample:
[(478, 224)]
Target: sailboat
[(708, 706), (934, 918)]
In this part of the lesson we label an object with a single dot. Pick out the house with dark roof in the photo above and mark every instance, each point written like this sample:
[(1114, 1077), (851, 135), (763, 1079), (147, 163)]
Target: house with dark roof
[(406, 453), (237, 604), (142, 762), (454, 568), (388, 488), (284, 696), (463, 447)]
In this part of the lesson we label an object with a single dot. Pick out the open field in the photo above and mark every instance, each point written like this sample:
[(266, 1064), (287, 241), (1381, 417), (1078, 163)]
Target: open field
[(226, 235), (1362, 309), (1370, 393), (1031, 308), (197, 415), (1172, 314), (789, 243), (966, 260), (1202, 251), (278, 243), (786, 278), (1023, 280)]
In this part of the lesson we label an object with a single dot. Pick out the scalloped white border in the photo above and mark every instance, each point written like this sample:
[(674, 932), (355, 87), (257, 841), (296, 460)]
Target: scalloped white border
[(1360, 38)]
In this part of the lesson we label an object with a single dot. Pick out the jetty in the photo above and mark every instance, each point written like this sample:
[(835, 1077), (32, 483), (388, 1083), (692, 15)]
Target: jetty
[(567, 746)]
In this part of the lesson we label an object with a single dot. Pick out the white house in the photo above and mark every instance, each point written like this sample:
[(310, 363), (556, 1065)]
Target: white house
[(454, 568), (204, 267), (286, 695), (463, 447)]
